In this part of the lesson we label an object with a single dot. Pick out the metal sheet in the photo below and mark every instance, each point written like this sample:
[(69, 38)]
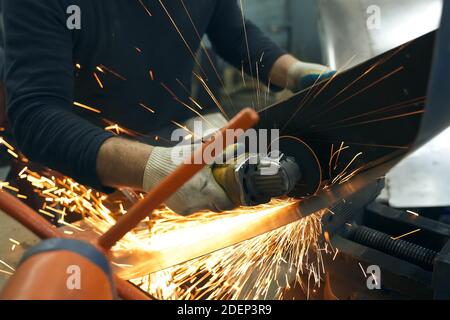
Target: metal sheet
[(436, 118), (421, 180), (375, 108)]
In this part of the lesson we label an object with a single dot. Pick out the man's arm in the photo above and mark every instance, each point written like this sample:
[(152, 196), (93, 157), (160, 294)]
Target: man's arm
[(252, 50), (39, 78), (280, 71), (121, 163), (256, 52)]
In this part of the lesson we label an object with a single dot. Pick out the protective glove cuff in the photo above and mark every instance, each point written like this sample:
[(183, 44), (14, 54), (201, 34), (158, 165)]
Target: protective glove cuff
[(159, 165)]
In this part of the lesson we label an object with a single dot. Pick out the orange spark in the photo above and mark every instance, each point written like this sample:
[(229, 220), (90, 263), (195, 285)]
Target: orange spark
[(210, 93), (15, 155), (206, 51), (145, 8), (46, 213), (147, 108), (86, 107), (194, 56), (175, 97), (112, 72), (370, 86), (100, 84), (408, 114), (113, 127), (406, 234), (362, 269), (14, 241), (6, 144), (196, 103), (413, 213)]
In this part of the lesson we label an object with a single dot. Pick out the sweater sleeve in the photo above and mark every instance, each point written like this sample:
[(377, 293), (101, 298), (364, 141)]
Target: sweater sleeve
[(39, 77), (242, 47)]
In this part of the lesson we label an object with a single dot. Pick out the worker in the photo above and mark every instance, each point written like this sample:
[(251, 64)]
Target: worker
[(125, 62)]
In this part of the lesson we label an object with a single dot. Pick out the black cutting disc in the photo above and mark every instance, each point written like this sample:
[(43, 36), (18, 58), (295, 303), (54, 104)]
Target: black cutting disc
[(311, 171)]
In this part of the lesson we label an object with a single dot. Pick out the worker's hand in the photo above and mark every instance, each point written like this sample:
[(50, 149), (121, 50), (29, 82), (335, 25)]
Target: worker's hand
[(202, 192), (302, 75)]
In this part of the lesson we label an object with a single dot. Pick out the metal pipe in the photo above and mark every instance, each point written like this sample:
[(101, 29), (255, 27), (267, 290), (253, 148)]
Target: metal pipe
[(128, 291), (246, 119), (23, 214)]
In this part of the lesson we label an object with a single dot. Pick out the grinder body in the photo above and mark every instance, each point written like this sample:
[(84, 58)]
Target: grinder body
[(253, 179)]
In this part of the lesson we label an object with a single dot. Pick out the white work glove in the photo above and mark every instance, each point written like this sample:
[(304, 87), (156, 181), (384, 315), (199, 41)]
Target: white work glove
[(202, 192), (302, 75)]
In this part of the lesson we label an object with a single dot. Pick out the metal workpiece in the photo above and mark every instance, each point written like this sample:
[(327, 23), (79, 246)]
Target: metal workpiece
[(421, 179), (383, 108), (374, 108), (333, 196), (437, 115)]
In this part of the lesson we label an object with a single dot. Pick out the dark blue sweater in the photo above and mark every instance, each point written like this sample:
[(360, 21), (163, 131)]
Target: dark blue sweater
[(127, 39)]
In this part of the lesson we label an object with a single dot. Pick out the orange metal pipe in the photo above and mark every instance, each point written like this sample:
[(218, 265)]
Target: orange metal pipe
[(246, 119), (127, 291), (23, 214)]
